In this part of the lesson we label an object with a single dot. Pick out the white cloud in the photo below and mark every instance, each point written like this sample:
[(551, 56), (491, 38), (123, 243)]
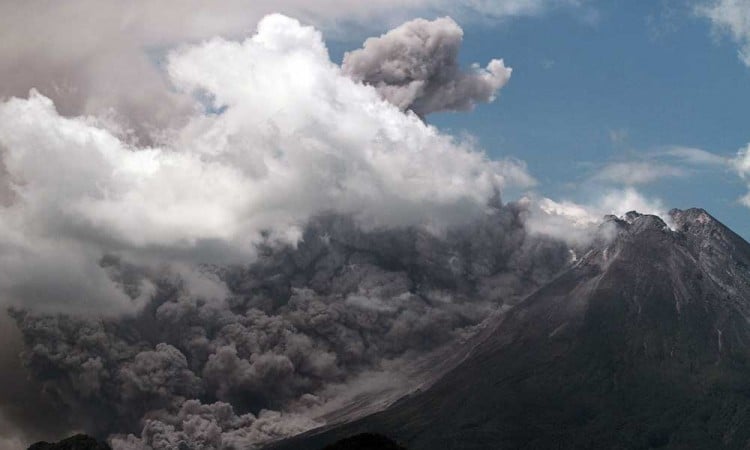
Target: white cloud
[(637, 172), (696, 156), (565, 220), (618, 136), (296, 137), (101, 57), (731, 17), (668, 162), (741, 164), (578, 215), (618, 202), (576, 223), (512, 8)]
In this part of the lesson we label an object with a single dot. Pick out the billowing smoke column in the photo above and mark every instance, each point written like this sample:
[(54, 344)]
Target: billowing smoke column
[(290, 243), (415, 67), (285, 136), (258, 364)]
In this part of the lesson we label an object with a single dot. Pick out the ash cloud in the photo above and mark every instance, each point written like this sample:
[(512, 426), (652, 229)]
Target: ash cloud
[(226, 285), (415, 67), (103, 58), (284, 148), (257, 364)]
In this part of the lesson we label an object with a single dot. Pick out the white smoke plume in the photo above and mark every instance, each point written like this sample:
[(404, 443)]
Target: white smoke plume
[(415, 67), (103, 57), (296, 233), (223, 289), (577, 223), (293, 136)]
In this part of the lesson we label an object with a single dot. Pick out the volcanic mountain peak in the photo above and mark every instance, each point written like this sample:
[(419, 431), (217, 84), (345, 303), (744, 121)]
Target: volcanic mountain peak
[(643, 343), (633, 217), (693, 232), (676, 220), (691, 216), (630, 231), (627, 226)]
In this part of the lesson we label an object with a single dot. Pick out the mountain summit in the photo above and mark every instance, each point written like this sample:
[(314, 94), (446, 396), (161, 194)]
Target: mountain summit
[(644, 342)]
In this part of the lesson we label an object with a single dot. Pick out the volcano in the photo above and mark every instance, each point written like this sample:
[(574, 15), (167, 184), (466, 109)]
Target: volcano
[(643, 342)]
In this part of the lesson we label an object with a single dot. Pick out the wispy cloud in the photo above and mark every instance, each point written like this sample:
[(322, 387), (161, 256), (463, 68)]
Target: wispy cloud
[(637, 172), (732, 18), (667, 162), (696, 156), (618, 136), (665, 19), (741, 164), (576, 223)]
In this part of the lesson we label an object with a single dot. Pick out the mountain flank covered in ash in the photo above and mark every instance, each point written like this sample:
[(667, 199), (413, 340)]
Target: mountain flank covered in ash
[(335, 328), (643, 343)]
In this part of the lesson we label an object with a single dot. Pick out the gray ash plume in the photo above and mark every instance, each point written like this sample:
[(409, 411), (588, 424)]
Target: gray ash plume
[(259, 362), (415, 66)]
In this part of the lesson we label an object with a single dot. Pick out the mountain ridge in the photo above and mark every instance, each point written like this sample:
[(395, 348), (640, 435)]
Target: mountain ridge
[(643, 343)]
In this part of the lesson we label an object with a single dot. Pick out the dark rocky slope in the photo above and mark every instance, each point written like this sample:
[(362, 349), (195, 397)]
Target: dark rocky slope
[(644, 343), (334, 328), (77, 442), (365, 441)]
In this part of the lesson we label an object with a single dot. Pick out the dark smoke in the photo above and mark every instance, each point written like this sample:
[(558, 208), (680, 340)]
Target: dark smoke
[(254, 365), (415, 66)]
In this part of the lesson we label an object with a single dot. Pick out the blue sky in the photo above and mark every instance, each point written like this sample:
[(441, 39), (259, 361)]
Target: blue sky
[(612, 82)]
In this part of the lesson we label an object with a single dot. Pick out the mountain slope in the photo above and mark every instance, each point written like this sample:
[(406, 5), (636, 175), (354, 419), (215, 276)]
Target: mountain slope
[(644, 343), (77, 442)]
